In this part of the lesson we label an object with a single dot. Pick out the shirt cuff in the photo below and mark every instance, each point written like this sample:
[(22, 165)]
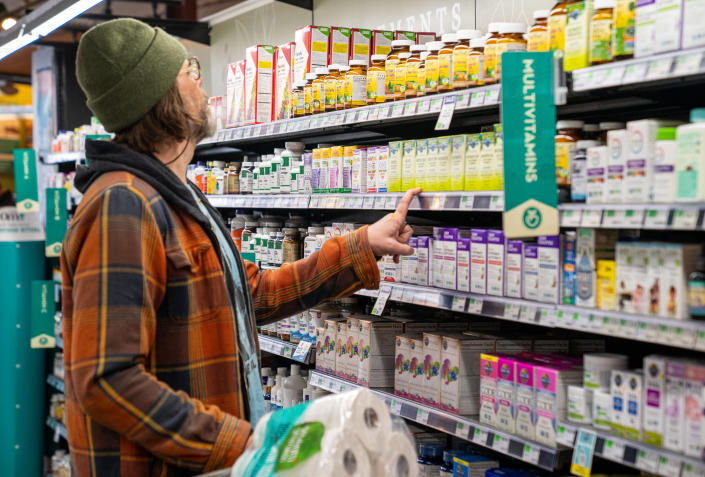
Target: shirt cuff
[(230, 443), (363, 260)]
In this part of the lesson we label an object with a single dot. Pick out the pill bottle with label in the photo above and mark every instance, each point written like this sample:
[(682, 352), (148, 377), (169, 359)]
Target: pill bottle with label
[(400, 76), (568, 133), (538, 33), (460, 57), (330, 87), (431, 66), (375, 80), (421, 90), (412, 71), (491, 52), (357, 83), (299, 101), (319, 91), (445, 62), (601, 32), (340, 88), (308, 93), (390, 64), (556, 26), (511, 39), (476, 62)]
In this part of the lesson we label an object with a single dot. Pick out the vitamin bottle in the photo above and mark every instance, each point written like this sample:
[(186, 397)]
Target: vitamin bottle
[(491, 52), (476, 62), (460, 57), (412, 71), (445, 62), (390, 64), (298, 98), (330, 87), (431, 66), (400, 76), (422, 74), (375, 80), (538, 33), (556, 26), (340, 88), (511, 39), (358, 83), (601, 32), (308, 93), (568, 133), (319, 91), (623, 29)]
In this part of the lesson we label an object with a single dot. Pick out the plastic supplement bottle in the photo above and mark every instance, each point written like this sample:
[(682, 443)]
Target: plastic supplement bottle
[(511, 39), (298, 99), (422, 74), (340, 88), (568, 133), (400, 76), (375, 80), (445, 62), (308, 94), (491, 53), (318, 86), (601, 32), (461, 53), (330, 88), (357, 83), (431, 66), (476, 62), (412, 71), (390, 65), (538, 33), (557, 19)]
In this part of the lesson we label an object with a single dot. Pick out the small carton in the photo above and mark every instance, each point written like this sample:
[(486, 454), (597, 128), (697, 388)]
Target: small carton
[(424, 37), (449, 242), (674, 428), (506, 394), (473, 147), (633, 411), (382, 168), (495, 262), (617, 411), (330, 344), (693, 28), (235, 97), (498, 171), (530, 272), (488, 388), (569, 268), (321, 349), (457, 161), (444, 163), (437, 264), (215, 108), (259, 84), (405, 35), (580, 404), (284, 80), (478, 265), (421, 176), (433, 175), (549, 249), (360, 43), (417, 378), (312, 50), (678, 262), (381, 42), (402, 363), (640, 159), (591, 245), (654, 399), (395, 166), (392, 270), (463, 265), (335, 169), (359, 171), (667, 25), (617, 151), (408, 175), (606, 285), (487, 161), (577, 35), (346, 179), (525, 399), (625, 258), (341, 346), (596, 169), (371, 170), (350, 367), (376, 352), (550, 383), (423, 263), (460, 358), (513, 274), (316, 171), (601, 410), (432, 368), (694, 406), (339, 50), (409, 263), (324, 180)]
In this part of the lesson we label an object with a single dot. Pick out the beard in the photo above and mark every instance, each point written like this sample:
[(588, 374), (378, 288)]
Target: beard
[(203, 125)]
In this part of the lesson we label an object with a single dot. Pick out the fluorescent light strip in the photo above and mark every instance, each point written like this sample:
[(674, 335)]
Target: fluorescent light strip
[(64, 16), (14, 45)]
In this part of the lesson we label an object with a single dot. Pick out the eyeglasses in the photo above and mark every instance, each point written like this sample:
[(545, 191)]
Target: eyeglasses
[(194, 68)]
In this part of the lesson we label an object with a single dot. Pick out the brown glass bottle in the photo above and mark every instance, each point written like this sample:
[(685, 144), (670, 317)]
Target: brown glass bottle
[(330, 87), (538, 33)]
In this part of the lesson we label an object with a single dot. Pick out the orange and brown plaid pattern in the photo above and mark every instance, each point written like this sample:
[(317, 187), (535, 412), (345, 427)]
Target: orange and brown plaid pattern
[(153, 377)]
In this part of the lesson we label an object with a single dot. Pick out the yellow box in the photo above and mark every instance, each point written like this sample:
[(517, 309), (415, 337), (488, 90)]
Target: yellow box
[(408, 175), (421, 161), (473, 148), (487, 161), (396, 168), (606, 282), (457, 161)]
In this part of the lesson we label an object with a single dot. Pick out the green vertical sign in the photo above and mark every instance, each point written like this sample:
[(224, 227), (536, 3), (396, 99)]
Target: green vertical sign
[(26, 188), (56, 220), (43, 308), (529, 125)]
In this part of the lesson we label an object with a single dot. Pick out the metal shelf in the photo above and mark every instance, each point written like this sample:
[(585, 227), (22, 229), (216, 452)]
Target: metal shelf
[(285, 349), (480, 201), (59, 342), (680, 216), (464, 427), (638, 455), (58, 427), (687, 334), (62, 157), (56, 383)]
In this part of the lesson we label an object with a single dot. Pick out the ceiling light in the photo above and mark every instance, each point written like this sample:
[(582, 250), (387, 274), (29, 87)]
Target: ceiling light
[(64, 16), (7, 23)]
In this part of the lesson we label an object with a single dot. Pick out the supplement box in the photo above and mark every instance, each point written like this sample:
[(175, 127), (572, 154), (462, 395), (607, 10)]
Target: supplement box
[(437, 263), (381, 42), (346, 180), (371, 170), (618, 405), (641, 157), (568, 262), (693, 27), (678, 262), (216, 107), (513, 269), (549, 249), (350, 368), (460, 367), (408, 164), (577, 35), (694, 406), (330, 334), (341, 348), (525, 399), (402, 363), (284, 81), (591, 245), (335, 169), (417, 378), (597, 159), (488, 388), (312, 50), (487, 161), (580, 404), (617, 151), (408, 263), (495, 262), (320, 348), (674, 428), (424, 37), (339, 49), (421, 176), (376, 352), (443, 168), (457, 161), (625, 256), (601, 410), (359, 171), (473, 147), (450, 257), (394, 166), (235, 95), (463, 265), (478, 257), (506, 394), (259, 84), (645, 28), (667, 25), (530, 272), (431, 368), (654, 399), (423, 264), (550, 383), (606, 285), (623, 30), (360, 42), (382, 168)]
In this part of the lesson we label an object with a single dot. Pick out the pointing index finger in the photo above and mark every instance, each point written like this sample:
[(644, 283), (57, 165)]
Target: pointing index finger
[(405, 201)]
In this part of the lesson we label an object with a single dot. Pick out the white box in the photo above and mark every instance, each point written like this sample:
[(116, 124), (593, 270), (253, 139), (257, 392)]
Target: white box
[(423, 262), (463, 265), (382, 165), (417, 378), (695, 403), (640, 270), (625, 256), (640, 159), (359, 171), (312, 47), (376, 350), (432, 368), (645, 28), (495, 262), (654, 399), (478, 257), (408, 263), (633, 411), (601, 409), (525, 399), (618, 149), (596, 169), (437, 262), (259, 84), (530, 272), (513, 274), (372, 170), (460, 358), (552, 398), (506, 394), (693, 25), (669, 14), (352, 340), (674, 429), (449, 241), (235, 96), (488, 389), (402, 363), (549, 251), (678, 262), (579, 404)]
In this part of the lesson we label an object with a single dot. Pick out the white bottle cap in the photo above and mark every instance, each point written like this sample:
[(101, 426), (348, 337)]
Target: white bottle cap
[(398, 43), (344, 68), (493, 27), (415, 48), (600, 4), (404, 56), (477, 43), (321, 71), (468, 34), (512, 28), (378, 57), (434, 45), (449, 38), (424, 54), (587, 143), (295, 368), (299, 84), (358, 63), (541, 14), (569, 124), (281, 371), (610, 125), (334, 67), (310, 76)]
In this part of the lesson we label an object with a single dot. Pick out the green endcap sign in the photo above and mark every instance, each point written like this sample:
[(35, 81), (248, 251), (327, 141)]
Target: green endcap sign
[(529, 125), (26, 188), (43, 308), (56, 221)]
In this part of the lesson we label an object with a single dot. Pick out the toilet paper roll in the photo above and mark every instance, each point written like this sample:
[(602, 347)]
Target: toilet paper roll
[(398, 459), (340, 455)]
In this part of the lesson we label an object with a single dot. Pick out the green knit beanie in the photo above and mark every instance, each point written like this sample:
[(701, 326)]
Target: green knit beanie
[(124, 67)]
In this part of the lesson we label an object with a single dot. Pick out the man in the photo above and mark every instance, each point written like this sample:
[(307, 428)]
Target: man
[(160, 311)]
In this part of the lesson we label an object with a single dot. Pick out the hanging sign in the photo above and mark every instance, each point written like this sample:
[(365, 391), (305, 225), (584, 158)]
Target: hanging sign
[(529, 125), (26, 189), (56, 220), (43, 308)]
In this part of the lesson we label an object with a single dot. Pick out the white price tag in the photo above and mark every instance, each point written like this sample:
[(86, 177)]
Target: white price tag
[(682, 337), (458, 304), (423, 106), (374, 113), (363, 115), (511, 311), (628, 328), (466, 202), (397, 294), (492, 96), (436, 104), (301, 350), (462, 100), (446, 115), (659, 68), (548, 317), (422, 416), (528, 314), (477, 99), (369, 202), (591, 218), (633, 218), (379, 202), (669, 467), (480, 437), (350, 117), (382, 298), (270, 129), (501, 443), (685, 219), (497, 202), (700, 340), (462, 430), (656, 218), (693, 470), (531, 454), (565, 436), (688, 64), (613, 450), (647, 460), (390, 202), (395, 407), (613, 75), (474, 306), (571, 218), (397, 110), (410, 108), (408, 296), (635, 73)]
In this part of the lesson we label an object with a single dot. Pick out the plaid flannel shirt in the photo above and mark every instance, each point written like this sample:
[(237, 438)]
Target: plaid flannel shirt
[(153, 378)]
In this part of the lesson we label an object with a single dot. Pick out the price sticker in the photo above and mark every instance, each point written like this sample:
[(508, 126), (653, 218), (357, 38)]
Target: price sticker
[(462, 430), (462, 100), (635, 73), (350, 117), (492, 96), (384, 293), (422, 416), (436, 104), (501, 443), (531, 454), (565, 436), (633, 218), (591, 218), (656, 218), (527, 314), (511, 311), (659, 68), (497, 202), (628, 328), (612, 218), (684, 337), (397, 110), (548, 317), (369, 202), (270, 129), (391, 202), (363, 115), (693, 470), (385, 112), (477, 99), (700, 340), (480, 437), (688, 64), (374, 113), (648, 331), (408, 296), (395, 407), (669, 466), (458, 304), (424, 106), (613, 75), (446, 115), (664, 334), (571, 218), (474, 306), (613, 450), (380, 203), (410, 108), (647, 460), (685, 219), (397, 294), (466, 202)]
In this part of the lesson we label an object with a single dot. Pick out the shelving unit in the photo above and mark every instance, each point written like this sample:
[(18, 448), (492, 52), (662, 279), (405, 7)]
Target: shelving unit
[(56, 383), (62, 157), (58, 428), (285, 349)]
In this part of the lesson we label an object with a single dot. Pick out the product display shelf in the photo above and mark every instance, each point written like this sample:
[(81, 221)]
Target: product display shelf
[(286, 349), (422, 108), (675, 216), (61, 157), (687, 334), (59, 428), (479, 201), (56, 383), (464, 427), (655, 460), (675, 65), (59, 342)]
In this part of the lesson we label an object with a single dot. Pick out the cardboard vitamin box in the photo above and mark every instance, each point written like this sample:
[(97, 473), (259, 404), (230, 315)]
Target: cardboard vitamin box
[(473, 148), (488, 388), (654, 399), (421, 158), (395, 166), (424, 37), (215, 105), (405, 35), (457, 163), (284, 80), (235, 95), (444, 167), (417, 378), (259, 84), (463, 264), (376, 338), (460, 369), (312, 50), (359, 171), (495, 262), (432, 368), (360, 44), (339, 49), (478, 261), (408, 176), (402, 363), (381, 42)]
